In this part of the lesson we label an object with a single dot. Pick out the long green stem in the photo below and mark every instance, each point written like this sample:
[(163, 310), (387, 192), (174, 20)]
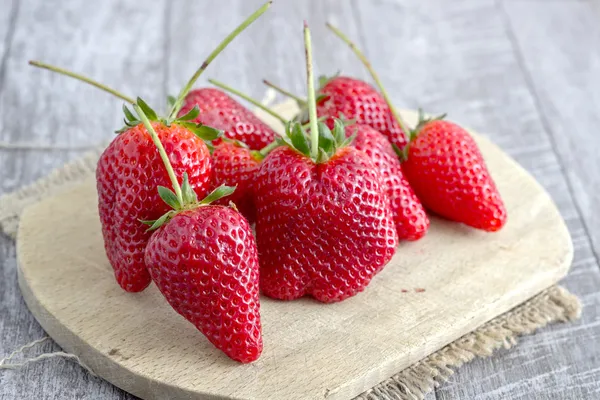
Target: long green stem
[(312, 104), (248, 99), (162, 152), (62, 71), (267, 149), (179, 102), (284, 92), (374, 75)]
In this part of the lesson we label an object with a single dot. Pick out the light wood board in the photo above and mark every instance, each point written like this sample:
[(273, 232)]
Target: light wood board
[(311, 350)]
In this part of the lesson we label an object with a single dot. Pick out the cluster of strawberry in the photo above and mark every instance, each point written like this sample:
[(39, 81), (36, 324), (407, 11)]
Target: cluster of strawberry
[(331, 198)]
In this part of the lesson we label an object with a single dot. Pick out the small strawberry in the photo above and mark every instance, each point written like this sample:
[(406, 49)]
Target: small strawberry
[(449, 175), (356, 100), (445, 167), (324, 226), (409, 216), (233, 164), (130, 169), (222, 112)]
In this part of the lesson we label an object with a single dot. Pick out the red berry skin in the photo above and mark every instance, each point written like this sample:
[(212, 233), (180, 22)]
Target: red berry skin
[(322, 230), (233, 165), (204, 261), (409, 215), (128, 174), (219, 110), (359, 101), (448, 173)]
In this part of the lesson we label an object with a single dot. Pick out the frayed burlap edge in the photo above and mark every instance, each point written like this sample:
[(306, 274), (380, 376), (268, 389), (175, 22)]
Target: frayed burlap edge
[(555, 304)]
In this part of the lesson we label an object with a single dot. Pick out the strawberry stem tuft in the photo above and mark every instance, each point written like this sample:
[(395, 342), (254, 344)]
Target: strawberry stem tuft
[(248, 99), (186, 89), (82, 78), (312, 104), (374, 75)]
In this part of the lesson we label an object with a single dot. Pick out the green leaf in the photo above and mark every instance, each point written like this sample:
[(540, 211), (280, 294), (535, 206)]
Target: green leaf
[(218, 193), (322, 156), (169, 197), (190, 115), (326, 139), (339, 132), (161, 221), (171, 101), (299, 139), (189, 196), (150, 113), (204, 132), (129, 115)]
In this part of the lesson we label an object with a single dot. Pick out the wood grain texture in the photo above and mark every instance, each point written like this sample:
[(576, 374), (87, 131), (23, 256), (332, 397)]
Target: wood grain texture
[(446, 56)]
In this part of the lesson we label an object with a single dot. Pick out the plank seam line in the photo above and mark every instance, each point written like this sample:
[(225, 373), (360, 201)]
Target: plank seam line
[(8, 40), (546, 125)]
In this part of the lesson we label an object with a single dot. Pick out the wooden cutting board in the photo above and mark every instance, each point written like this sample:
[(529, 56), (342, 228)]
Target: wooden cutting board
[(431, 293)]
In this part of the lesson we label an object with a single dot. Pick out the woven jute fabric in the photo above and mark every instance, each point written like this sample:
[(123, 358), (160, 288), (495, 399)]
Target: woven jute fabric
[(552, 305)]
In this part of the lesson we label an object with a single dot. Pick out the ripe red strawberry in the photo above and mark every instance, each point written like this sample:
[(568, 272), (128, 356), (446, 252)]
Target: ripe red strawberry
[(324, 226), (359, 101), (204, 261), (409, 215), (128, 173), (449, 175), (236, 165), (219, 110)]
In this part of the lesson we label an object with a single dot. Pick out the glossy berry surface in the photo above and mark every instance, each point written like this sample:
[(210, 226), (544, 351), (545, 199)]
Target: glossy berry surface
[(449, 175), (323, 230), (409, 215), (204, 261), (233, 165), (219, 110), (359, 101), (127, 176)]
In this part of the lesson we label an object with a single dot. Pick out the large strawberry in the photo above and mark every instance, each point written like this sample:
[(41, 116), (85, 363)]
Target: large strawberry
[(409, 215), (445, 167), (449, 175), (324, 225), (130, 169), (233, 164), (219, 110)]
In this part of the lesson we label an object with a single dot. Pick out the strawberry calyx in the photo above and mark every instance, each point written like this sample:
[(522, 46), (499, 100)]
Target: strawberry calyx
[(202, 131), (190, 201), (413, 133)]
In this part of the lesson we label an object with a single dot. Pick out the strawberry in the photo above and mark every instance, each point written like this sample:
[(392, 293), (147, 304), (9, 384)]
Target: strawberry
[(236, 165), (222, 112), (129, 170), (324, 226), (445, 167), (449, 175), (204, 261), (409, 216), (127, 175)]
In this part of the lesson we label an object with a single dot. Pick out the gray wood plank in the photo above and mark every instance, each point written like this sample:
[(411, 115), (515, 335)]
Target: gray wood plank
[(115, 42), (458, 57)]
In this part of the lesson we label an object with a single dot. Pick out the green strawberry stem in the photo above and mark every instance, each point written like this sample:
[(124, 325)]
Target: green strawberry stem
[(374, 75), (248, 99), (312, 104), (267, 149), (162, 152), (92, 82), (179, 102), (284, 92)]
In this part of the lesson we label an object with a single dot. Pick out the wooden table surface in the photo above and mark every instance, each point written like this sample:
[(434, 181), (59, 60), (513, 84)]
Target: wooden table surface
[(524, 72)]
